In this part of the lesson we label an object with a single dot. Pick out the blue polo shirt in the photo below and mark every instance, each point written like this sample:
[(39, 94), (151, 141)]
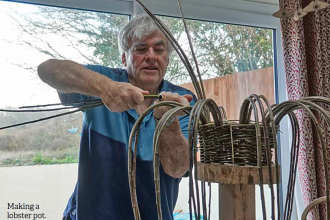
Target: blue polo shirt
[(102, 189)]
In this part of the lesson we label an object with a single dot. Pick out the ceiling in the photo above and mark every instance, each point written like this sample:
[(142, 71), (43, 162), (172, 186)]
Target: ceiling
[(267, 7), (268, 2)]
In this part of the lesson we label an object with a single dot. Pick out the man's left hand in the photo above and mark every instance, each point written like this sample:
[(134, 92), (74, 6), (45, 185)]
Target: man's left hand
[(174, 97)]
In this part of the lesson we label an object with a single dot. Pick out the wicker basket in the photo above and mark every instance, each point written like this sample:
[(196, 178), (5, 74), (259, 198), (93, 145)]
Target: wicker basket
[(232, 143)]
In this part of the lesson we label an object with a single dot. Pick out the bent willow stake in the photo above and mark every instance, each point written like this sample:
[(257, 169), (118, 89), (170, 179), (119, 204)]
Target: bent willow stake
[(264, 132)]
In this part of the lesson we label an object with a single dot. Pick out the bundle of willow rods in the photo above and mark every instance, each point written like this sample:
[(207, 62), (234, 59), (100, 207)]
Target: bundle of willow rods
[(74, 106), (254, 102), (199, 115), (132, 154), (197, 85), (307, 104), (271, 117), (264, 131), (200, 94), (202, 105), (243, 143)]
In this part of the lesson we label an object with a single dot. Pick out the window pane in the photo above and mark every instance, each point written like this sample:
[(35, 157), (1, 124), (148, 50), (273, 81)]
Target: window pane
[(235, 62), (222, 50), (32, 34)]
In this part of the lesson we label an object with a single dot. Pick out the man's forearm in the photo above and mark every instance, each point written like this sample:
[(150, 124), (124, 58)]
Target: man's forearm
[(67, 76), (174, 151)]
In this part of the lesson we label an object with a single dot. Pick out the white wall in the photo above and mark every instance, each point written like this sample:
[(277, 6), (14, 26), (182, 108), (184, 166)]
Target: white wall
[(49, 186)]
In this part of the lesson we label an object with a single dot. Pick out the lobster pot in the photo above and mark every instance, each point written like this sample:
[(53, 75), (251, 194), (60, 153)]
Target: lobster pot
[(232, 143)]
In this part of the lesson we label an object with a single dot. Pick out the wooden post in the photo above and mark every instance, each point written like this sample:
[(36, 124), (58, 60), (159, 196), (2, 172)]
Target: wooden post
[(236, 202), (236, 188)]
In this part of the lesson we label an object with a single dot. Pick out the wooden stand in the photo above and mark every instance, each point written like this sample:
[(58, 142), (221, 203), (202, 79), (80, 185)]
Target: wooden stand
[(236, 188)]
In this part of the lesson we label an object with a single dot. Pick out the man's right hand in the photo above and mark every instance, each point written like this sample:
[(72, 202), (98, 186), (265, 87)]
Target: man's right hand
[(119, 96), (70, 77)]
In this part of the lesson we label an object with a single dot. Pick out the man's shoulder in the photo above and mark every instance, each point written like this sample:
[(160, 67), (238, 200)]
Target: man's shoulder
[(178, 89), (107, 71), (175, 88)]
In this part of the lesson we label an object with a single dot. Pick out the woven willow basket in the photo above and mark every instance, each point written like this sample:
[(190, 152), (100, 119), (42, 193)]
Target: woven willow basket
[(232, 143)]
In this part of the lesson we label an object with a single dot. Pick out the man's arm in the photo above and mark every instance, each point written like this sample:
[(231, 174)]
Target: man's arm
[(174, 151), (70, 77)]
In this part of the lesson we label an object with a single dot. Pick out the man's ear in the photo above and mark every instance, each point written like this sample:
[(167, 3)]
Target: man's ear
[(123, 59)]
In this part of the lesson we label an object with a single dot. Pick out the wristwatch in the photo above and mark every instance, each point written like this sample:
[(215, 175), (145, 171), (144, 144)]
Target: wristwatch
[(168, 123)]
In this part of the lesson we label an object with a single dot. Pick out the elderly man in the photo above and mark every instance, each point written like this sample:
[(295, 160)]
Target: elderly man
[(102, 189)]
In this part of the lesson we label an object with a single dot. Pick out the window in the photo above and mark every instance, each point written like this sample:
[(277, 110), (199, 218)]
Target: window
[(78, 46), (221, 49), (235, 61), (32, 34)]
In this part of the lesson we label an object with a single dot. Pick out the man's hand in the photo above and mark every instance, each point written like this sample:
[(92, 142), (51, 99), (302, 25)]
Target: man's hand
[(119, 97), (174, 97), (174, 152), (70, 77)]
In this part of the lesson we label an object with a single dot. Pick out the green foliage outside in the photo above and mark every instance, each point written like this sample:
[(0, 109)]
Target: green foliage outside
[(221, 49)]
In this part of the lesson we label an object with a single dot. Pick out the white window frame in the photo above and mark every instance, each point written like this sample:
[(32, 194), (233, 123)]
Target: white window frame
[(241, 12)]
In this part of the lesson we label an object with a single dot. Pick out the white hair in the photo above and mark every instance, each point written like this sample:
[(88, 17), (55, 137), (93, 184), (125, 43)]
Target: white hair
[(138, 28)]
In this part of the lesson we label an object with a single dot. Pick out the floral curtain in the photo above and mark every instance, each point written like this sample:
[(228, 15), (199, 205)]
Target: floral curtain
[(306, 45)]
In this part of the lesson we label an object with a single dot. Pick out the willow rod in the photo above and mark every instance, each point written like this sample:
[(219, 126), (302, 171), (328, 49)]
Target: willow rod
[(245, 113), (177, 48), (37, 110), (65, 103), (131, 165), (81, 103), (156, 161), (307, 104), (293, 166), (191, 48), (311, 205), (267, 148), (50, 117), (271, 120), (196, 116)]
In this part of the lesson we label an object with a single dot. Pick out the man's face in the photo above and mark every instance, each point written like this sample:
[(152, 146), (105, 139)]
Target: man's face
[(147, 60)]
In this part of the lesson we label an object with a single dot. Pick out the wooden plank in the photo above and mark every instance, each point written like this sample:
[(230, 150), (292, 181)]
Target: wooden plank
[(237, 202), (228, 174), (230, 91)]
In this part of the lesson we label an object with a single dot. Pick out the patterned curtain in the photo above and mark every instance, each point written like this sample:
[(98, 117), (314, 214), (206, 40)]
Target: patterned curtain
[(306, 45)]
